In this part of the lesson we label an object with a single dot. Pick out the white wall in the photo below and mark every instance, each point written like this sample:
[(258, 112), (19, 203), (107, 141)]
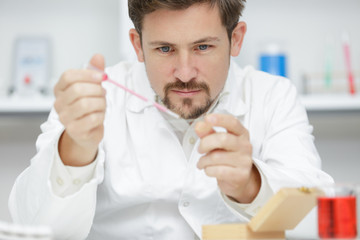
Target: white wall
[(80, 28), (77, 30), (302, 28)]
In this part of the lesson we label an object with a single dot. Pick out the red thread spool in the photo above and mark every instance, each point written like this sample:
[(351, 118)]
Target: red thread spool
[(337, 217)]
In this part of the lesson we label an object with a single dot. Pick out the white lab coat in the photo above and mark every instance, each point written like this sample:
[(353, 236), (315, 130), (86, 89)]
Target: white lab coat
[(144, 187)]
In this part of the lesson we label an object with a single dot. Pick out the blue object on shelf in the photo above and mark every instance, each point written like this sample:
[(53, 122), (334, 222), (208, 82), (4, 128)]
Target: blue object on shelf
[(273, 64)]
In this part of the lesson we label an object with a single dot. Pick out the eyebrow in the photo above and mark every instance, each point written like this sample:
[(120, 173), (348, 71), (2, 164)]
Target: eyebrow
[(202, 40), (207, 39)]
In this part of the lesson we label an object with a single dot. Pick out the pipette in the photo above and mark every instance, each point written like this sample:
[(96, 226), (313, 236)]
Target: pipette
[(346, 45), (155, 104)]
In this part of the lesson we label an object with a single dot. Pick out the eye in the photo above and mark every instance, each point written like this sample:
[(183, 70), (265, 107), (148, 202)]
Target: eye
[(203, 47), (165, 49)]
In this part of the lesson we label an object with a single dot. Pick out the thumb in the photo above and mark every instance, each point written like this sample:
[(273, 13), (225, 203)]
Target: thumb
[(203, 129), (98, 61)]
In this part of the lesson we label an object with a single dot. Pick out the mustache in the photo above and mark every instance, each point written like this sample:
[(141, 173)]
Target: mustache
[(191, 85)]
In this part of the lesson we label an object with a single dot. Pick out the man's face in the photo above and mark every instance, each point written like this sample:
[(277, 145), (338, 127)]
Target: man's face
[(187, 57)]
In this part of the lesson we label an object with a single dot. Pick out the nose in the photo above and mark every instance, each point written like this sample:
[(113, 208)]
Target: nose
[(185, 69)]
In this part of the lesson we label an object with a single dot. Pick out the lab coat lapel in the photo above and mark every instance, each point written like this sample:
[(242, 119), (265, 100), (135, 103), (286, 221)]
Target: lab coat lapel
[(159, 155), (233, 101), (139, 83)]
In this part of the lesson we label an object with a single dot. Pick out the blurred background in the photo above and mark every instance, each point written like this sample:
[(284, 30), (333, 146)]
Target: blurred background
[(315, 43)]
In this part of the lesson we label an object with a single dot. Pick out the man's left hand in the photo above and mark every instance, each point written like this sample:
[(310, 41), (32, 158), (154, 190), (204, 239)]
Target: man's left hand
[(228, 157)]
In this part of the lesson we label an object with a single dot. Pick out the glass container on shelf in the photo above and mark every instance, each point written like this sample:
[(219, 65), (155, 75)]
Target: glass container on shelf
[(31, 67), (273, 59)]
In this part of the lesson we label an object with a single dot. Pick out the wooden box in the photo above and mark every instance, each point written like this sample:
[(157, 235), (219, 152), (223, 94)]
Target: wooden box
[(282, 212)]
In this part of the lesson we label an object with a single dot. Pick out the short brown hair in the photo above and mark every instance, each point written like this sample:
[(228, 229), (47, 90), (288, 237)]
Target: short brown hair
[(230, 10)]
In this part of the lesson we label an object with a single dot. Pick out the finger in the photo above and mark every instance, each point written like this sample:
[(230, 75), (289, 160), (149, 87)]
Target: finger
[(230, 175), (218, 158), (83, 127), (75, 92), (81, 108), (81, 90), (229, 122), (203, 129), (223, 158), (72, 76), (225, 141), (98, 61), (221, 173)]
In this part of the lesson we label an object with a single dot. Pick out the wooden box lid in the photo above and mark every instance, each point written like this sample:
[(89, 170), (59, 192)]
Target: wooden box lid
[(285, 209)]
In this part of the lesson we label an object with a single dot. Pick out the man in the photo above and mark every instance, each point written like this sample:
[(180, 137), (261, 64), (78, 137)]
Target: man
[(111, 166)]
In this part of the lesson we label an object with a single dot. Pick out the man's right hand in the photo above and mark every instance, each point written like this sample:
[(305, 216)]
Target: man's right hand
[(80, 103)]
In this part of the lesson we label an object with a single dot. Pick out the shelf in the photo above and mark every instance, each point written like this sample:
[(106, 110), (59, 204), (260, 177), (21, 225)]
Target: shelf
[(321, 102), (331, 102), (26, 105)]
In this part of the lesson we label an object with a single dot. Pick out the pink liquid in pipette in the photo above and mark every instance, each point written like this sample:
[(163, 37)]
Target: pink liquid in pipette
[(158, 106)]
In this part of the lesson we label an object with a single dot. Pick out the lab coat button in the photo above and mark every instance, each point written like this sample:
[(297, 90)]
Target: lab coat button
[(59, 181), (192, 140), (77, 181), (186, 204)]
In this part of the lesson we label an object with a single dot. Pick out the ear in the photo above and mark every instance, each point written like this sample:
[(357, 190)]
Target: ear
[(237, 38), (136, 42)]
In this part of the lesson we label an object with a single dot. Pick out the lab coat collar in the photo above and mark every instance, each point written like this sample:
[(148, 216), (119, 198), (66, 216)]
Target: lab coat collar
[(138, 82), (231, 99)]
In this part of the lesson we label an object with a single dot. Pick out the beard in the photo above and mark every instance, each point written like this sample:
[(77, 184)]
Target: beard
[(179, 108)]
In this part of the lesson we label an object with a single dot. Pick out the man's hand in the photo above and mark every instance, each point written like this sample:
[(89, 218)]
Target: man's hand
[(228, 157), (80, 103)]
